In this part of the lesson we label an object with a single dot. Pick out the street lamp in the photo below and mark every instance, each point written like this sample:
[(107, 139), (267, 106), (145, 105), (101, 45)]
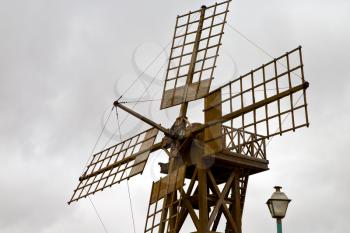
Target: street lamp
[(278, 204)]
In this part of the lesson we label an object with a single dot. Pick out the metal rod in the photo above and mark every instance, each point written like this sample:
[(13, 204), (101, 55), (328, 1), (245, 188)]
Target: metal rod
[(279, 225), (137, 115)]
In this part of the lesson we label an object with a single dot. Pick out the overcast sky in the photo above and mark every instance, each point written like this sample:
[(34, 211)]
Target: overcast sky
[(63, 63)]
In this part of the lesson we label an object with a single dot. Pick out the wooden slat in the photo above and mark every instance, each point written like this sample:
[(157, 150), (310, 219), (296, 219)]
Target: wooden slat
[(164, 194), (213, 140), (168, 184), (175, 96)]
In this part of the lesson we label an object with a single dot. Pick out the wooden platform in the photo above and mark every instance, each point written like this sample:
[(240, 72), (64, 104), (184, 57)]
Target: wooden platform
[(224, 163)]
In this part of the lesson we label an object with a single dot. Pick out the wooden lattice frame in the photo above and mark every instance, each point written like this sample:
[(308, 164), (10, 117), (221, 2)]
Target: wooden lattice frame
[(115, 164), (282, 74), (164, 205), (194, 54)]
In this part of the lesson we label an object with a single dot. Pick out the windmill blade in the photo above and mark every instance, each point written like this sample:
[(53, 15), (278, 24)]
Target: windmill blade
[(193, 55), (265, 102), (117, 163), (164, 203)]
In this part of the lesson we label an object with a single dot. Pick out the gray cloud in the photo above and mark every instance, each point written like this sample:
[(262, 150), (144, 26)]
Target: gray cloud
[(62, 62)]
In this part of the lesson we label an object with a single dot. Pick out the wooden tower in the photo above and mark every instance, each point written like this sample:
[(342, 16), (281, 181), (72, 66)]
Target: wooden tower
[(209, 162)]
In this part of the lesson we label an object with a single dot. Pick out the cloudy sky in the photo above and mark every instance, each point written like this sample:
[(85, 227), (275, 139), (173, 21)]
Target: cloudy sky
[(62, 63)]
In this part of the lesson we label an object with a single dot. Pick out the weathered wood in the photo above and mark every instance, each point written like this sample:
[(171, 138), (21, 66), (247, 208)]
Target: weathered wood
[(203, 201), (192, 65), (216, 158), (213, 134)]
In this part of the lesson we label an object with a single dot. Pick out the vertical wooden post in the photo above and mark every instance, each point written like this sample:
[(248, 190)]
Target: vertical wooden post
[(173, 213), (236, 207), (203, 200), (167, 200), (237, 203)]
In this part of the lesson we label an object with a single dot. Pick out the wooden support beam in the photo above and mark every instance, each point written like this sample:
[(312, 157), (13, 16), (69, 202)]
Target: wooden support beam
[(184, 211), (217, 220), (189, 207), (221, 195), (236, 210), (203, 201), (192, 66)]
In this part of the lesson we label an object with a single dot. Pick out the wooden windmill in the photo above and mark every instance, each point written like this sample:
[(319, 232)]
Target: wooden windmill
[(209, 162)]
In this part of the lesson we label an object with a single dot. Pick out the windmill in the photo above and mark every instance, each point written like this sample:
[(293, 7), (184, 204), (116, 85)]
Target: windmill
[(210, 162)]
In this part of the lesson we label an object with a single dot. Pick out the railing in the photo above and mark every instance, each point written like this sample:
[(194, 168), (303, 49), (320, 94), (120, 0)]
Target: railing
[(244, 143)]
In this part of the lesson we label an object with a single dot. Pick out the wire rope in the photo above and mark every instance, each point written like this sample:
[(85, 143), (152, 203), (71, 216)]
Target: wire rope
[(98, 215), (258, 47), (284, 119), (127, 181), (92, 151)]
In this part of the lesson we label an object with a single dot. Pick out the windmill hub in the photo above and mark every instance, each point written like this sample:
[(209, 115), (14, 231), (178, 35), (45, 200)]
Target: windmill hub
[(178, 130)]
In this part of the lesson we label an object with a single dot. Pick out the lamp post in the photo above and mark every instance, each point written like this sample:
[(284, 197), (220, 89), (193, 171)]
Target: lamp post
[(278, 204)]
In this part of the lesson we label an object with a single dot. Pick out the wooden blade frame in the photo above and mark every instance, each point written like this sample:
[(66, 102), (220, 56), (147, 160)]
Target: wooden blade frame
[(267, 101), (164, 205), (193, 55), (114, 164)]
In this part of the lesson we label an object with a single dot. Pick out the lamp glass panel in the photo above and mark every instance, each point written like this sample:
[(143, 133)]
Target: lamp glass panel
[(269, 204), (279, 208)]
